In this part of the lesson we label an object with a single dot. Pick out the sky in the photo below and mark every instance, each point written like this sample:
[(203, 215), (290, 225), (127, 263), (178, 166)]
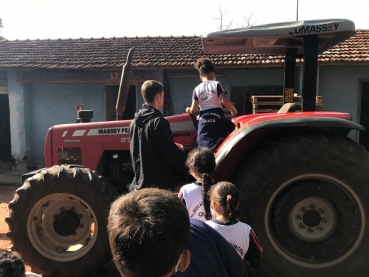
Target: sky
[(43, 19)]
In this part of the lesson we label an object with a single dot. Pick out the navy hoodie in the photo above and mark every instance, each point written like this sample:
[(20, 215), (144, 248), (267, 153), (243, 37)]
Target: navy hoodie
[(211, 254)]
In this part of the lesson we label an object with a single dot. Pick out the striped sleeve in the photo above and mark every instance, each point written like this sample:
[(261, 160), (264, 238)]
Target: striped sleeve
[(220, 89), (255, 251)]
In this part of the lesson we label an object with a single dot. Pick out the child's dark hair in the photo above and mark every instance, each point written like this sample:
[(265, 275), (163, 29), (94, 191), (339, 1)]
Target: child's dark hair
[(202, 160), (151, 223), (11, 264), (204, 66), (225, 194)]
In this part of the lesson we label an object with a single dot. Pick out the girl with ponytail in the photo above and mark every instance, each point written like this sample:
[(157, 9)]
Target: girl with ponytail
[(224, 207), (201, 164), (210, 96)]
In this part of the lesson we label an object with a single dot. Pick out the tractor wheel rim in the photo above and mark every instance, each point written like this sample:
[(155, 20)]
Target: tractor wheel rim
[(313, 219), (54, 243), (307, 236)]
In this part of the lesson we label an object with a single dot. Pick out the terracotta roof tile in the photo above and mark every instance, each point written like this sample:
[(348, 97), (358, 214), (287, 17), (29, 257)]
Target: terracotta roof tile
[(108, 53)]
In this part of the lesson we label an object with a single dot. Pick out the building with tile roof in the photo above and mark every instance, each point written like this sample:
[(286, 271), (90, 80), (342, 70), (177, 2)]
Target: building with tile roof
[(42, 82), (151, 53)]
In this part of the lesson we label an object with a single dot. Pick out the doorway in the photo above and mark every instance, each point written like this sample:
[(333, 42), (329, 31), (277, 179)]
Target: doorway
[(111, 94), (364, 114), (5, 146)]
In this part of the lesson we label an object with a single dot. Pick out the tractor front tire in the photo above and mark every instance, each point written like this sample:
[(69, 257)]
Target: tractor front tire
[(306, 197), (58, 219)]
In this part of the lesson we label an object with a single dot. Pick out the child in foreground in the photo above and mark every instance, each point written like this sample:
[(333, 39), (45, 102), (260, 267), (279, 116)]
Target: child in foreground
[(201, 164), (224, 206), (150, 234), (12, 265)]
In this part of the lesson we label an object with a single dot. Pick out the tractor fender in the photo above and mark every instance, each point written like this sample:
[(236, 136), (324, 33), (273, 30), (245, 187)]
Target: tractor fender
[(243, 140)]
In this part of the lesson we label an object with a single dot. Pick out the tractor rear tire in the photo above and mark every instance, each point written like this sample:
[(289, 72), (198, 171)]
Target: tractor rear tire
[(58, 219), (306, 197)]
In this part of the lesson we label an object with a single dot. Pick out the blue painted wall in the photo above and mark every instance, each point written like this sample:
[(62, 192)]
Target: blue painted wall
[(35, 107), (55, 103), (340, 88), (181, 88)]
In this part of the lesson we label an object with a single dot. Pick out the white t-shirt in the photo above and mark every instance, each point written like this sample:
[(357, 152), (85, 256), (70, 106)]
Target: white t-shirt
[(193, 196), (237, 234), (207, 93)]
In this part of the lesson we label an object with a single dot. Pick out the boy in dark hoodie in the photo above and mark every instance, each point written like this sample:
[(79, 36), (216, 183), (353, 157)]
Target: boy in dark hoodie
[(157, 161)]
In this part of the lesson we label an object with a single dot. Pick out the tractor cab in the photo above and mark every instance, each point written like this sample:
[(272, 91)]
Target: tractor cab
[(298, 39)]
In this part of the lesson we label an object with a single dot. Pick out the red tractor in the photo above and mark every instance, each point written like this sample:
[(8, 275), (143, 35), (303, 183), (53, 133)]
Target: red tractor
[(303, 184)]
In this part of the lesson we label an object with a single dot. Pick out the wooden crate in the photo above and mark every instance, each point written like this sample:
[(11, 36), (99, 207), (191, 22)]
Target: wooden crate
[(266, 99), (319, 107), (265, 111), (272, 103), (267, 105)]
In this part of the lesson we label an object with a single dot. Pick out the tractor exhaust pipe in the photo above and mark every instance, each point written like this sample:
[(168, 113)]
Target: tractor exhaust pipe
[(120, 107)]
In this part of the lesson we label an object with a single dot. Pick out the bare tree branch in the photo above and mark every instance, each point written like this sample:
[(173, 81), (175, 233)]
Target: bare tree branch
[(222, 13), (226, 27), (249, 21)]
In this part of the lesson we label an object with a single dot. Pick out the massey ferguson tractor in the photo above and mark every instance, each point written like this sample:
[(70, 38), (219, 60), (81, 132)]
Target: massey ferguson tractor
[(303, 184)]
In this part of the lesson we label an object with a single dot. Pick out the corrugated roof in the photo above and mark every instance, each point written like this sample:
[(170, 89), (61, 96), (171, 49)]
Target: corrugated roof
[(108, 53)]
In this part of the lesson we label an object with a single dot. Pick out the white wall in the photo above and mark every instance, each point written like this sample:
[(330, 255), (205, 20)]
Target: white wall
[(17, 120)]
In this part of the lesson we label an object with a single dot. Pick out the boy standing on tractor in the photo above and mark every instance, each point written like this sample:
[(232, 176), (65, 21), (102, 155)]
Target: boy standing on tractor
[(156, 160)]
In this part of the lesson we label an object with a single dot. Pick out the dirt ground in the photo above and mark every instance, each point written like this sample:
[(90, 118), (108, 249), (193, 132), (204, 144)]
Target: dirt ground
[(6, 195)]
